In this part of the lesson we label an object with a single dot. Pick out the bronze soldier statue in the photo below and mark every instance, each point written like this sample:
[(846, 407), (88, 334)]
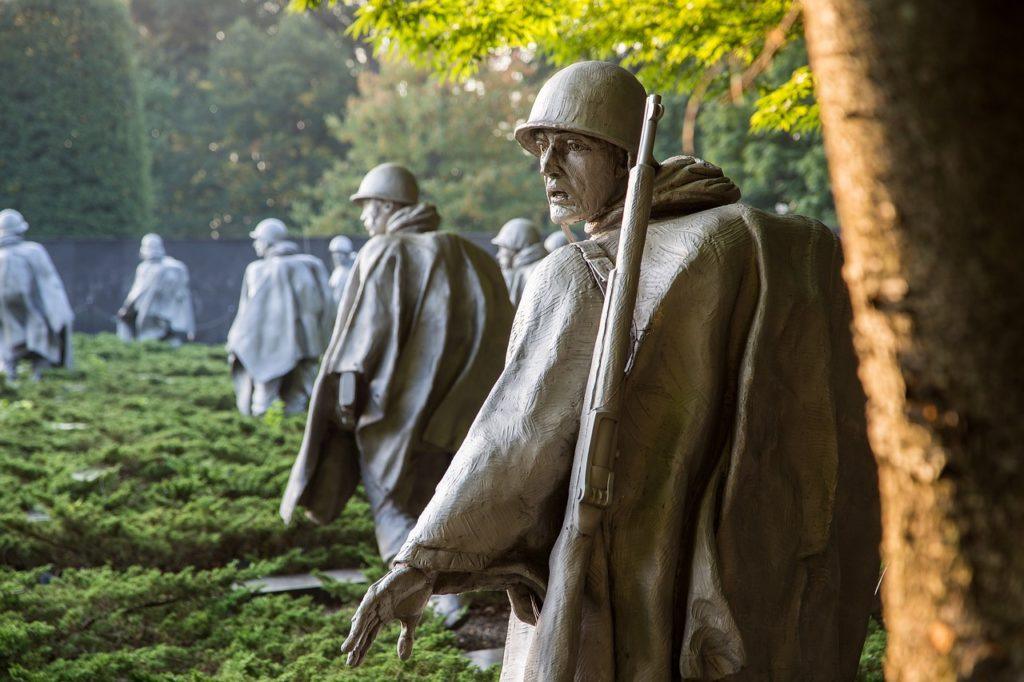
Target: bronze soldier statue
[(35, 315), (555, 240), (519, 252), (420, 335), (282, 325), (159, 304), (739, 534), (343, 254)]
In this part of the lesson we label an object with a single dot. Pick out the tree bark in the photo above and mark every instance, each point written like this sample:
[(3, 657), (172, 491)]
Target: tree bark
[(922, 104)]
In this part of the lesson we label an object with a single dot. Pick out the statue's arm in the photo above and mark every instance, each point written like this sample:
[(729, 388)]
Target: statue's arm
[(498, 509)]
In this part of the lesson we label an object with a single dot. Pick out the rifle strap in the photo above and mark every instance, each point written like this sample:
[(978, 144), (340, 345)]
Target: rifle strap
[(597, 260), (601, 264)]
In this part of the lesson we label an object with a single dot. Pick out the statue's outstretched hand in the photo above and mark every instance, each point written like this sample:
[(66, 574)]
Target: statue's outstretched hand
[(400, 595)]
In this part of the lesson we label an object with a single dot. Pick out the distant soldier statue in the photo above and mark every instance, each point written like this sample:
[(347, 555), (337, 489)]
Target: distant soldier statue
[(420, 336), (555, 240), (159, 304), (342, 256), (734, 528), (520, 250), (35, 316), (283, 322)]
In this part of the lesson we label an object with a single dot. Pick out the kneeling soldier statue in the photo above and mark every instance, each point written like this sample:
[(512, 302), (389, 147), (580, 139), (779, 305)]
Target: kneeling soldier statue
[(670, 477)]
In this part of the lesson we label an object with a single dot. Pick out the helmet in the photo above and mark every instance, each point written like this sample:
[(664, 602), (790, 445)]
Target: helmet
[(340, 244), (12, 222), (269, 230), (555, 240), (152, 246), (599, 99), (388, 182), (517, 234)]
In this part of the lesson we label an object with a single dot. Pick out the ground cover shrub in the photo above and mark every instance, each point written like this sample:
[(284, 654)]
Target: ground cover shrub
[(101, 624), (137, 502), (138, 458)]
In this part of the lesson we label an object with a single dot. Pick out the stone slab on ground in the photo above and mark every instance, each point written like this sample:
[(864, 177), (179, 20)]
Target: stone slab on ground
[(485, 658), (303, 581)]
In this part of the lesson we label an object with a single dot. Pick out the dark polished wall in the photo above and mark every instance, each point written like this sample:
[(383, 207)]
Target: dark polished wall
[(98, 273)]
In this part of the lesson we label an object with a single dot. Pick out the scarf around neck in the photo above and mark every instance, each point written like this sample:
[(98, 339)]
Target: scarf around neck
[(682, 185)]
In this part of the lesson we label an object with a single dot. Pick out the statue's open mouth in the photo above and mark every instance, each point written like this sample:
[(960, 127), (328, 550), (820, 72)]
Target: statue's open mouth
[(558, 197)]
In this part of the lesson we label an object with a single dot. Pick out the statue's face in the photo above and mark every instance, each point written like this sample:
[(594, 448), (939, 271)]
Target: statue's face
[(261, 247), (582, 175), (339, 258), (505, 257), (375, 215)]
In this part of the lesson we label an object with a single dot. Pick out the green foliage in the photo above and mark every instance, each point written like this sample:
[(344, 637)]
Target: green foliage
[(457, 139), (99, 624), (790, 107), (73, 156), (672, 46), (162, 501), (872, 658), (138, 573), (237, 96), (776, 170), (176, 478)]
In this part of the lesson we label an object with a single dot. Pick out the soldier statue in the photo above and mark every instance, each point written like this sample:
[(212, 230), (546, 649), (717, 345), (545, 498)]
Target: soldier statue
[(342, 256), (283, 322), (555, 240), (738, 537), (35, 316), (520, 250), (159, 304), (419, 340)]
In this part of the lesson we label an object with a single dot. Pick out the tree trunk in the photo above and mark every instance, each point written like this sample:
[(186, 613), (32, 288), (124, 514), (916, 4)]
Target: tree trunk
[(922, 104)]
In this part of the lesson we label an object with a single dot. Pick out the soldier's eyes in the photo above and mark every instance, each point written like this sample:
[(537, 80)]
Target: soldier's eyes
[(575, 146)]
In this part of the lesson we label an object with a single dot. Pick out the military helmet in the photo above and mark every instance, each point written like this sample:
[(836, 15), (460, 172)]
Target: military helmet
[(555, 240), (388, 182), (599, 99), (340, 244), (269, 231), (517, 234), (152, 246), (12, 222)]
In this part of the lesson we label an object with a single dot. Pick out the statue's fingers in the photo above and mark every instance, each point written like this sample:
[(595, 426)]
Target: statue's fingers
[(405, 639), (367, 633), (362, 622), (357, 654)]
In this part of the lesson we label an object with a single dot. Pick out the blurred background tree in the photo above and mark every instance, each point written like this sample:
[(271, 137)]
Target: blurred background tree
[(237, 95), (73, 158), (252, 111), (701, 48), (456, 138)]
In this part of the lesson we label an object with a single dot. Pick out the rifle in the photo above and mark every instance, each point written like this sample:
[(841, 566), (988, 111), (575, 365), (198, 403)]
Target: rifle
[(592, 482)]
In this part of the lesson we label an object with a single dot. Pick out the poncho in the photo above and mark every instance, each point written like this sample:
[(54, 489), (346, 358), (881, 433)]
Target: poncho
[(159, 302), (425, 320), (35, 316), (741, 542), (522, 265), (284, 314)]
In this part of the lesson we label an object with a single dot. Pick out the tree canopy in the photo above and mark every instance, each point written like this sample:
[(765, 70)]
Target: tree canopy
[(237, 97), (704, 47), (73, 157), (457, 139)]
